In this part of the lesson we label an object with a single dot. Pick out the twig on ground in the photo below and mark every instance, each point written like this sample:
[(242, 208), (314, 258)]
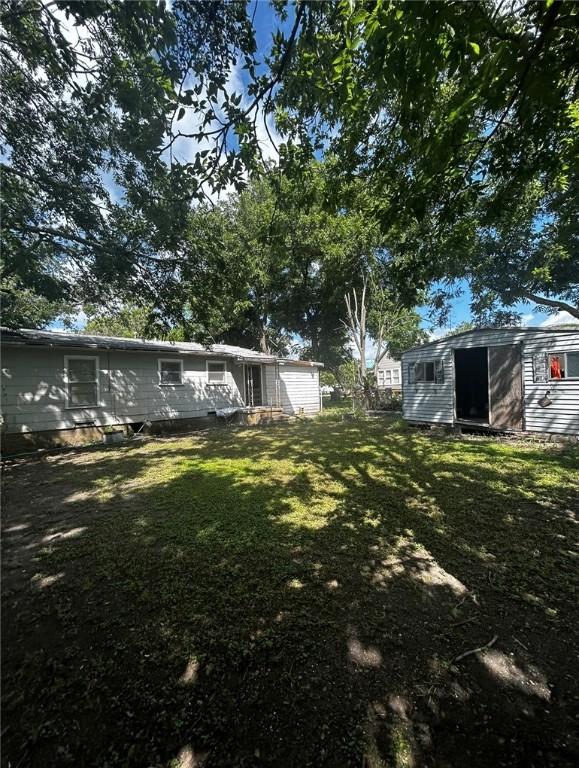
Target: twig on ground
[(475, 650), (471, 595), (521, 644), (464, 621)]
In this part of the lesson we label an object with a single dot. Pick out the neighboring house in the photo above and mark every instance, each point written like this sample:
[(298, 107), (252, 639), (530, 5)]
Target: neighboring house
[(503, 379), (389, 374), (65, 387)]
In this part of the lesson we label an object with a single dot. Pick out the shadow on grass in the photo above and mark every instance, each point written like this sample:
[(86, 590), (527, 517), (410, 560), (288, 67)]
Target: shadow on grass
[(292, 596)]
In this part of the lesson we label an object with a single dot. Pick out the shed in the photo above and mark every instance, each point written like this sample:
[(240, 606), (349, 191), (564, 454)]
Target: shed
[(66, 387), (504, 379)]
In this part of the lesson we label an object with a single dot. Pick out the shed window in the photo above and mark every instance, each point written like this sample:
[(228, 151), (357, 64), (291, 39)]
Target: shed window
[(429, 371), (170, 372), (216, 372), (564, 365), (82, 383)]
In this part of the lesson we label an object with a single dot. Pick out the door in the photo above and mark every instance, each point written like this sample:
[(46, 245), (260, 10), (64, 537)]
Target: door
[(506, 387), (253, 391), (471, 384)]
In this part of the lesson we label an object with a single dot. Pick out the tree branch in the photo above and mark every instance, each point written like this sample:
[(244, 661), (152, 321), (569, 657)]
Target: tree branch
[(563, 306), (63, 235)]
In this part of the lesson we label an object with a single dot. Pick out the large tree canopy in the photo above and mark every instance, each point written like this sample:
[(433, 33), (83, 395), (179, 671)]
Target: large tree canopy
[(464, 121), (459, 120), (116, 117)]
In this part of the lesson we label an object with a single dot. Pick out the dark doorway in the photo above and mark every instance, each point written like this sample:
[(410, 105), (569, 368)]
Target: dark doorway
[(471, 375), (253, 392)]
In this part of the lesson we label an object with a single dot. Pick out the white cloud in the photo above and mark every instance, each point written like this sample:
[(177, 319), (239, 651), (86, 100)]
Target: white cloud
[(527, 319), (558, 319), (438, 333)]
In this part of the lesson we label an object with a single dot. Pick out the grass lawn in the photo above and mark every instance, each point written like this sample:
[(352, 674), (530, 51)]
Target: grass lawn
[(292, 596)]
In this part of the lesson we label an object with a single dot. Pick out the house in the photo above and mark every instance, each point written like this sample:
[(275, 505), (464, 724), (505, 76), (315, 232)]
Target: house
[(507, 379), (60, 388), (389, 374)]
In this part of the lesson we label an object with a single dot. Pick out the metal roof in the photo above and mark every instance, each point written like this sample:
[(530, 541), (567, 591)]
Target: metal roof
[(504, 329), (28, 337)]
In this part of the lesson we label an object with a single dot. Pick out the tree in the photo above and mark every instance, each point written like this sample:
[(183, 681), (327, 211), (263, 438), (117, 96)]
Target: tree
[(130, 321), (116, 116), (373, 314), (462, 118), (268, 268)]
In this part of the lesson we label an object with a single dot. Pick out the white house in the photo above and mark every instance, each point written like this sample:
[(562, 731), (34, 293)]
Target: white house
[(389, 374), (511, 379), (65, 387)]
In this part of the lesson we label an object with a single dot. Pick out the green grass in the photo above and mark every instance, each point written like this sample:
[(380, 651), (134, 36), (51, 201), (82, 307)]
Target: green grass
[(287, 596)]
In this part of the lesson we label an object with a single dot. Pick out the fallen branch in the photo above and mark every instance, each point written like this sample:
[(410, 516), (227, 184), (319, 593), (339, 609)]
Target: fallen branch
[(464, 621), (475, 650), (521, 644)]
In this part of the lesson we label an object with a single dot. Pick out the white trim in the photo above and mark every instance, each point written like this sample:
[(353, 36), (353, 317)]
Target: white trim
[(161, 360), (216, 383), (96, 381)]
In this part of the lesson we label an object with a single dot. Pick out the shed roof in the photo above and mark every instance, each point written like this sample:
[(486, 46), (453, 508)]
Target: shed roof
[(489, 329), (28, 337)]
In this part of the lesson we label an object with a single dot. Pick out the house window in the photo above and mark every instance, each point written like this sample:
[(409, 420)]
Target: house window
[(564, 365), (429, 371), (380, 377), (396, 376), (170, 373), (388, 375), (216, 372), (82, 381)]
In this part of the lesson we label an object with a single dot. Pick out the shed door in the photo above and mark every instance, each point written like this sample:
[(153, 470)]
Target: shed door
[(505, 387)]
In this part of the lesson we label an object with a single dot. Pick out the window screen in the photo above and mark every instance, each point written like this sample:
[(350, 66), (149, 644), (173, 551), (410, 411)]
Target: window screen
[(216, 373), (170, 372), (82, 381), (572, 365)]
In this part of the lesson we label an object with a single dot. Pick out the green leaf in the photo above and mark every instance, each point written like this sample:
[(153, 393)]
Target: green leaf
[(475, 47), (181, 114)]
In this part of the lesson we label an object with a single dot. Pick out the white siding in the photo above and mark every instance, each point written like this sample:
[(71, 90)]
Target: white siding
[(387, 364), (562, 416), (298, 386), (428, 402), (33, 389)]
